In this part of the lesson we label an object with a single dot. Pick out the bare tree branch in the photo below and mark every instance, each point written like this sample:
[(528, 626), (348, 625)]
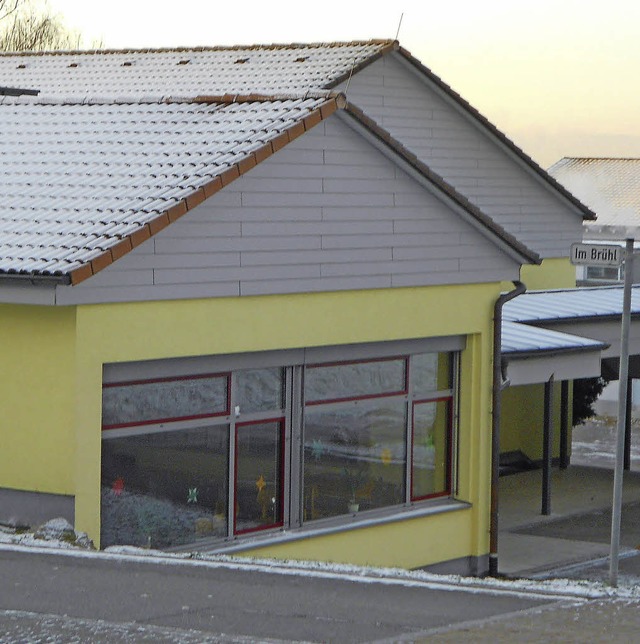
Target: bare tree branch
[(32, 27), (7, 7)]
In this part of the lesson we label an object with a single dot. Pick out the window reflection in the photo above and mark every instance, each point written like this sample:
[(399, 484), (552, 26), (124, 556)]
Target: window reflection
[(353, 380), (368, 443), (137, 403), (430, 372), (354, 457), (258, 476), (260, 389), (166, 488), (430, 462)]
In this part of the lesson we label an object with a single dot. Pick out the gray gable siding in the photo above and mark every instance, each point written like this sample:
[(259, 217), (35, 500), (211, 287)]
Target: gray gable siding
[(403, 102), (328, 212)]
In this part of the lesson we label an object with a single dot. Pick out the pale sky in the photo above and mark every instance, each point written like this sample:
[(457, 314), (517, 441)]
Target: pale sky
[(559, 77)]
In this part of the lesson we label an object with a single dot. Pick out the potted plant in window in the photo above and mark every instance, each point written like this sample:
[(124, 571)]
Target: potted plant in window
[(354, 478)]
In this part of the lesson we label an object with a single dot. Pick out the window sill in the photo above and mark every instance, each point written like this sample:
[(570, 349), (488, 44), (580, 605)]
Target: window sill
[(334, 526)]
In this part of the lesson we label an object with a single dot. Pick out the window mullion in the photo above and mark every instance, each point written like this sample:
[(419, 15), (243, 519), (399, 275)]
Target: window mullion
[(292, 447), (231, 484), (408, 461)]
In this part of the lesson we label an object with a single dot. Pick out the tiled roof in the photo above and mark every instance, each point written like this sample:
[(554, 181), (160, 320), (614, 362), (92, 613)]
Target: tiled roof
[(610, 187), (569, 304), (523, 340), (265, 69), (83, 183)]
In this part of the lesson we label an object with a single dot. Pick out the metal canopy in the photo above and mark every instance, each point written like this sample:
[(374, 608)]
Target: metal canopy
[(534, 355), (564, 305), (581, 317)]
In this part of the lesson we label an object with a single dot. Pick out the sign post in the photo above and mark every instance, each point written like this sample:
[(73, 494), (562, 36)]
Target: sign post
[(601, 255), (616, 513)]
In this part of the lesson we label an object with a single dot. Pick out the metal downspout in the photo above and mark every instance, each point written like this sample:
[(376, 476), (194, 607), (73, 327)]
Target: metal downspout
[(520, 288)]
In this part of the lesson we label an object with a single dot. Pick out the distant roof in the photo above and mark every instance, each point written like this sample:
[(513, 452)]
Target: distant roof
[(609, 186), (265, 69), (564, 305), (523, 340)]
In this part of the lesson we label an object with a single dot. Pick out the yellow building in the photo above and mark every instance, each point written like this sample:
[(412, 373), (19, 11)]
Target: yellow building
[(262, 322)]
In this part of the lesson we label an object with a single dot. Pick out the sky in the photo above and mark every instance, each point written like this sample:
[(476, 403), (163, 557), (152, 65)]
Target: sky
[(557, 76)]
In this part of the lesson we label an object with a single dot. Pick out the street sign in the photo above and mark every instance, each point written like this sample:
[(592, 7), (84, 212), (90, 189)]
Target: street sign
[(596, 255)]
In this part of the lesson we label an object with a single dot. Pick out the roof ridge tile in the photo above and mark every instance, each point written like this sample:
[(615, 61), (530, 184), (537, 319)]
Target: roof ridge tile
[(380, 42)]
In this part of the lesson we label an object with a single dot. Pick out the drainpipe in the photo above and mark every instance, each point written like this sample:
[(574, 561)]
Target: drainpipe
[(520, 288)]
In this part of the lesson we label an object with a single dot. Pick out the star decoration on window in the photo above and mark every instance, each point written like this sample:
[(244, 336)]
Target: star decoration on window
[(386, 456), (261, 483), (192, 495), (317, 449), (118, 486)]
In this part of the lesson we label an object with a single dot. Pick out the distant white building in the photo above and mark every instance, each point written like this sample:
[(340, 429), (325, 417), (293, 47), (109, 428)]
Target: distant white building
[(611, 188)]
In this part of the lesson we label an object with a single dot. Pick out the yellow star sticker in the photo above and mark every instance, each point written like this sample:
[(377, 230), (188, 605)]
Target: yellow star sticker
[(261, 483), (385, 455)]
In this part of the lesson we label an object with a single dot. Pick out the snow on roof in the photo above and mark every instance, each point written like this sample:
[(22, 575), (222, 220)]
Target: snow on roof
[(569, 304), (83, 183), (524, 339), (610, 187), (265, 69)]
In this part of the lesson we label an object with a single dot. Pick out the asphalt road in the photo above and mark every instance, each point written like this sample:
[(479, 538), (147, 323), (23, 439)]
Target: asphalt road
[(56, 598)]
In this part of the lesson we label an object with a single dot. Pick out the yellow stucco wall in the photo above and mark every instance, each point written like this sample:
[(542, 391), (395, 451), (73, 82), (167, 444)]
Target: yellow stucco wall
[(37, 380), (70, 345), (523, 406), (523, 419), (552, 273), (400, 544)]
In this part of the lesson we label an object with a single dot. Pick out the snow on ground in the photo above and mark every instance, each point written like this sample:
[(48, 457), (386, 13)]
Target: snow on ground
[(594, 442), (11, 539), (56, 533)]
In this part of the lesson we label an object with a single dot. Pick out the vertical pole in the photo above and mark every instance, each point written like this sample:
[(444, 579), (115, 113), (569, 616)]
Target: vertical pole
[(627, 426), (564, 425), (547, 446), (495, 422), (616, 511)]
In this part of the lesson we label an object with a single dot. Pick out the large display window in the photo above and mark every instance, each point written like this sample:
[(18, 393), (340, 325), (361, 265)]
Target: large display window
[(216, 456)]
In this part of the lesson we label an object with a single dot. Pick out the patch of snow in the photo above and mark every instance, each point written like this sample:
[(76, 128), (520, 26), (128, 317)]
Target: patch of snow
[(573, 590), (55, 533)]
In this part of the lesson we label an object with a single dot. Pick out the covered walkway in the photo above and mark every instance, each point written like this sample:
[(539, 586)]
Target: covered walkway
[(575, 527), (577, 530)]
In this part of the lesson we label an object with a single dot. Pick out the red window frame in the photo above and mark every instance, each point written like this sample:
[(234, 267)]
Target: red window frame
[(448, 450), (157, 421), (269, 526), (328, 401)]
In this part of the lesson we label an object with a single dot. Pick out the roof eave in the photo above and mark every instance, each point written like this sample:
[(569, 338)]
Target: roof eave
[(36, 278), (548, 353)]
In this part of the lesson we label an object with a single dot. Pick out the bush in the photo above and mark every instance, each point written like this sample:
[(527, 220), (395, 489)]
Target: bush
[(585, 393)]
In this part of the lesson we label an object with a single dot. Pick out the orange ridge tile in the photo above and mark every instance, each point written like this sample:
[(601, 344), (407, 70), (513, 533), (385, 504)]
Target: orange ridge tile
[(101, 261), (159, 223)]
